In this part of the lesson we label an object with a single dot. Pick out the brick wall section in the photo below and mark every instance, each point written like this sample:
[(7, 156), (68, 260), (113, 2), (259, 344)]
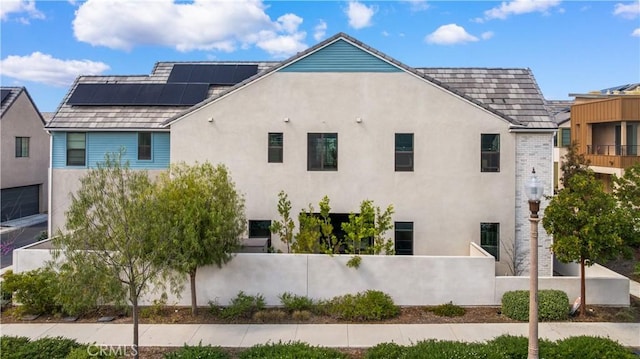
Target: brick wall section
[(533, 150)]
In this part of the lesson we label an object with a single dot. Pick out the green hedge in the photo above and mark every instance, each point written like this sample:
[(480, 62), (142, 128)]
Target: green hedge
[(552, 305), (290, 350), (369, 305)]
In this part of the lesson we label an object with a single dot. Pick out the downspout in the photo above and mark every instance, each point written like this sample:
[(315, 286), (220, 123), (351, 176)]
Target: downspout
[(50, 186)]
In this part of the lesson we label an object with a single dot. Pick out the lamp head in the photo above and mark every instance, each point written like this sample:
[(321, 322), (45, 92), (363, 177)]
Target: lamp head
[(534, 187)]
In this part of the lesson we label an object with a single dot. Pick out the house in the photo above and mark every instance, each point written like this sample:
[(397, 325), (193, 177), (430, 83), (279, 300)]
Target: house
[(606, 126), (560, 111), (450, 148), (24, 155)]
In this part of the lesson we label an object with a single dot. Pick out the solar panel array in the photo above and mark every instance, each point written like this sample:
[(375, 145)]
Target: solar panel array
[(4, 94), (214, 74), (174, 94)]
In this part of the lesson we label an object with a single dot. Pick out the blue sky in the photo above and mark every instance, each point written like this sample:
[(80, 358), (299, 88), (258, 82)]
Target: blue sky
[(571, 46)]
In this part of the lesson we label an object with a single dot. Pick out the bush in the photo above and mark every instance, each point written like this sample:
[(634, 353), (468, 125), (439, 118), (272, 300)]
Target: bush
[(90, 352), (386, 350), (44, 348), (243, 306), (11, 347), (270, 316), (517, 347), (585, 347), (292, 302), (552, 305), (198, 352), (36, 290), (289, 350), (447, 310), (443, 349), (301, 315), (370, 305)]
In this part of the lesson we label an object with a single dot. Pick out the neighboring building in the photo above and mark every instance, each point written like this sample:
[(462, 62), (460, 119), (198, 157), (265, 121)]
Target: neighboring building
[(24, 156), (560, 111), (450, 148), (606, 126)]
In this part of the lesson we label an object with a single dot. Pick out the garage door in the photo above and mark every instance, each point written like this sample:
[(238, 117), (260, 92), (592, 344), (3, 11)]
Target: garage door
[(19, 202)]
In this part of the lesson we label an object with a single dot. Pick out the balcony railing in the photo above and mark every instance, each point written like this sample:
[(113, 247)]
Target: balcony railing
[(613, 150)]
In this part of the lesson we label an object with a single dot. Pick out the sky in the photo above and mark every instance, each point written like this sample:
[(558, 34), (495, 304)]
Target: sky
[(571, 46)]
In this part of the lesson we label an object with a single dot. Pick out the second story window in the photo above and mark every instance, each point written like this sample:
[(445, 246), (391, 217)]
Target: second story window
[(144, 145), (22, 146), (322, 151), (76, 148), (490, 153), (276, 142), (404, 152), (565, 138)]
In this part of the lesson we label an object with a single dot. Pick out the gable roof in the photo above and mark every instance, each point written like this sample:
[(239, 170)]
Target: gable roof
[(560, 110), (9, 97)]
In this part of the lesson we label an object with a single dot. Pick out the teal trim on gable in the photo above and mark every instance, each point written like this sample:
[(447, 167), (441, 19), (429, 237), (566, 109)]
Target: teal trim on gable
[(341, 56), (100, 143)]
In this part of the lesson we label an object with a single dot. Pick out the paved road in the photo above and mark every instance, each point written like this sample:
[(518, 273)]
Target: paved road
[(20, 237)]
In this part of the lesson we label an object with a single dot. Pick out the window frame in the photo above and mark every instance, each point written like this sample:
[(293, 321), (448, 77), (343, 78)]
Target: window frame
[(323, 137), (142, 146), (562, 141), (83, 150), (402, 152), (275, 152), (397, 230), (22, 146), (489, 155), (493, 249)]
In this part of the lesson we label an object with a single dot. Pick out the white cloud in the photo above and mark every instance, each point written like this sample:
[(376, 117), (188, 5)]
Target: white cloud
[(198, 25), (518, 7), (636, 32), (360, 15), (629, 11), (385, 34), (320, 30), (46, 69), (18, 8), (449, 35), (487, 35), (417, 5)]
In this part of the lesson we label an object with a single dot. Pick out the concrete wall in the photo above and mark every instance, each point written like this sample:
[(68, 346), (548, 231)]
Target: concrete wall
[(409, 280), (22, 119), (446, 196)]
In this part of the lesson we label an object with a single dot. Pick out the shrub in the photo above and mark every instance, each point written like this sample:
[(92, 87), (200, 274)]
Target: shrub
[(385, 351), (517, 347), (270, 316), (155, 309), (301, 315), (292, 302), (198, 352), (11, 347), (243, 306), (44, 348), (36, 290), (552, 305), (289, 350), (447, 310), (370, 305), (90, 352), (442, 349), (586, 347)]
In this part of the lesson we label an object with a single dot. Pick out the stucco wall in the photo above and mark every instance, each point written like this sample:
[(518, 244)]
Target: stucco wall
[(22, 120), (447, 197)]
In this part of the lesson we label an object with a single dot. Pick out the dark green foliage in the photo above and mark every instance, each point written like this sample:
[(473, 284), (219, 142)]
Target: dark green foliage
[(442, 349), (517, 347), (585, 347), (243, 306), (386, 350), (369, 305), (35, 290), (552, 305), (447, 310), (198, 352), (289, 350), (293, 302), (44, 348), (91, 352), (10, 347)]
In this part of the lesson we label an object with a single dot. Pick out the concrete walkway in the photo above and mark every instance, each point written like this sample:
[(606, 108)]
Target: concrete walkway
[(328, 335)]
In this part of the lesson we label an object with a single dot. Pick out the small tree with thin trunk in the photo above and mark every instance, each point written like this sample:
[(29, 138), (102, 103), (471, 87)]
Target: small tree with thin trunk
[(284, 227), (112, 228), (203, 216)]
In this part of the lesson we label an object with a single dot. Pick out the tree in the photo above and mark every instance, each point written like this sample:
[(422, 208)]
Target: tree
[(584, 221), (284, 228), (309, 233), (112, 227), (330, 244), (627, 191), (203, 215), (572, 164)]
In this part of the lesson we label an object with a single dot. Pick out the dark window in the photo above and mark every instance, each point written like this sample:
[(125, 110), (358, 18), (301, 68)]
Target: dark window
[(322, 151), (404, 238), (566, 137), (490, 153), (260, 229), (275, 147), (76, 148), (404, 151), (22, 146), (490, 238), (144, 145)]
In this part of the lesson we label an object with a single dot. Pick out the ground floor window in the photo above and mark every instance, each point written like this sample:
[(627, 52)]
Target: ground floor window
[(490, 238), (404, 238), (260, 229)]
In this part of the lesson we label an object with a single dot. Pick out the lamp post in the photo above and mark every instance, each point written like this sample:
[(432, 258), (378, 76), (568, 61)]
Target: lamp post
[(534, 190)]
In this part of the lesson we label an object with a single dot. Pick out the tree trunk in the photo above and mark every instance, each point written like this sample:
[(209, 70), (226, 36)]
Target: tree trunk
[(194, 301), (583, 299), (134, 304)]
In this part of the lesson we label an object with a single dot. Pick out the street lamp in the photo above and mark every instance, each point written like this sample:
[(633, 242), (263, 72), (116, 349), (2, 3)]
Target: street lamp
[(534, 190)]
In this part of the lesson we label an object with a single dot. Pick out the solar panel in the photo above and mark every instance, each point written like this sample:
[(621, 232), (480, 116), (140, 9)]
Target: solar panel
[(4, 94), (138, 94), (244, 72), (180, 73), (214, 74)]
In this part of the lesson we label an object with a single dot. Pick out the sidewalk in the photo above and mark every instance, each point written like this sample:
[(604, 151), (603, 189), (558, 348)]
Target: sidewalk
[(328, 335)]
